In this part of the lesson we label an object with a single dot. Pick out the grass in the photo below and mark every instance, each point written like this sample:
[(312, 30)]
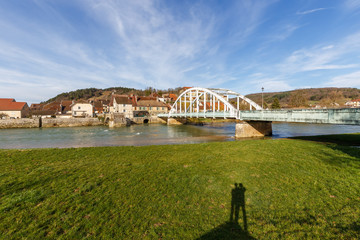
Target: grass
[(295, 189), (341, 139)]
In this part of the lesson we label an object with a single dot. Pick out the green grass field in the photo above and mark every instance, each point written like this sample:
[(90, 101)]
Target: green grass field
[(295, 189)]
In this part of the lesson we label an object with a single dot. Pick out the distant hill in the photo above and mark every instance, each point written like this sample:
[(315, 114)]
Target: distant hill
[(105, 94), (324, 97), (299, 98)]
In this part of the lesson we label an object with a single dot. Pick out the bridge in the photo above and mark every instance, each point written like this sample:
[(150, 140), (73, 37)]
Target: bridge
[(214, 103)]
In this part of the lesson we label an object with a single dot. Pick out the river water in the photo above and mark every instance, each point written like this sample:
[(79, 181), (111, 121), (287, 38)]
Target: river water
[(155, 134)]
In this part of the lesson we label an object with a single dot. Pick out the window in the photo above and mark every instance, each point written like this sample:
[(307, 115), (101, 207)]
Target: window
[(124, 105), (150, 108), (124, 110), (157, 108), (79, 107)]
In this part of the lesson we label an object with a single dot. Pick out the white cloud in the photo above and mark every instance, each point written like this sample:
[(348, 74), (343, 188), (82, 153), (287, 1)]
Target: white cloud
[(346, 80), (310, 11), (324, 57)]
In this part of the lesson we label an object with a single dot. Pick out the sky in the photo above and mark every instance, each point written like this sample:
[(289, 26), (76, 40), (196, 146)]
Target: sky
[(52, 46)]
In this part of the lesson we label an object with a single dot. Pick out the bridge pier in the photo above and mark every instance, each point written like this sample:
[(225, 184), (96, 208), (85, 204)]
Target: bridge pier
[(249, 129), (176, 121)]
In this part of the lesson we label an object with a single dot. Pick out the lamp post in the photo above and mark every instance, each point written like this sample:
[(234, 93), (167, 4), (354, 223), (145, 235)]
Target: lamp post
[(262, 97)]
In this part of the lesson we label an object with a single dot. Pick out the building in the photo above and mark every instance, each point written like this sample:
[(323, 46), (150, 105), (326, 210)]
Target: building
[(54, 107), (122, 104), (353, 103), (12, 109), (82, 109), (151, 105), (65, 106), (168, 97), (101, 106)]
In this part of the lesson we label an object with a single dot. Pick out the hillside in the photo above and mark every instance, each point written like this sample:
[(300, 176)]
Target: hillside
[(105, 94), (93, 93), (324, 97), (299, 98)]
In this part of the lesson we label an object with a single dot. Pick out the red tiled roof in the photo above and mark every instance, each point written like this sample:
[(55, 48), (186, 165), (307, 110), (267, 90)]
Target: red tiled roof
[(66, 105), (98, 105), (172, 96), (36, 106), (150, 103), (52, 106), (9, 104), (122, 100), (146, 98), (7, 100), (356, 100), (154, 95)]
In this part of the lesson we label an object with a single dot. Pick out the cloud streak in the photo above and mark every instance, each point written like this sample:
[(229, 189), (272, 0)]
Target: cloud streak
[(311, 11)]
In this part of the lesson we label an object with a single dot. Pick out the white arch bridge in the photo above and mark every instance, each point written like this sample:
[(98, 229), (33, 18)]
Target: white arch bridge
[(197, 102), (210, 102)]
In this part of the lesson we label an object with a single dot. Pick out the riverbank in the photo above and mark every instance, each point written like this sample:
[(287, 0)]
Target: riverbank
[(72, 122), (294, 189)]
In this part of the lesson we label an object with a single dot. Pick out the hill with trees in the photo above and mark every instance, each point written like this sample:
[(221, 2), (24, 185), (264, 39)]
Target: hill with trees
[(299, 98), (105, 94)]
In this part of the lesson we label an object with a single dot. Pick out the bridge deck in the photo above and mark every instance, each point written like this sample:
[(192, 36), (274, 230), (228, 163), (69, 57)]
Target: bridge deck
[(350, 116)]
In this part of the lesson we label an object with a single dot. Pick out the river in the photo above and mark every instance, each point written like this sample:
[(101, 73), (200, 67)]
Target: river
[(140, 135)]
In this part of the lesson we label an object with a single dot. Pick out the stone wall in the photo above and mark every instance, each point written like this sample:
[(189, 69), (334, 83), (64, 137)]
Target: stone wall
[(70, 122), (19, 123)]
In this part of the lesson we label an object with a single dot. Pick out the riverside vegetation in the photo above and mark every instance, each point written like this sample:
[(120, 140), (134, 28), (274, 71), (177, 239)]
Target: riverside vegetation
[(295, 189)]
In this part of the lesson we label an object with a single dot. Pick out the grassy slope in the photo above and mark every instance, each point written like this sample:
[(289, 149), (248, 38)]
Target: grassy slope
[(295, 189)]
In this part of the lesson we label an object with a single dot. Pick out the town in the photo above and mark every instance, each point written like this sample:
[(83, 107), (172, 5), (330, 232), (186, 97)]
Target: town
[(124, 107), (120, 109)]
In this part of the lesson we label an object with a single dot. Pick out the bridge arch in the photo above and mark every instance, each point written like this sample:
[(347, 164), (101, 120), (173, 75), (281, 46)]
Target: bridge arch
[(207, 102)]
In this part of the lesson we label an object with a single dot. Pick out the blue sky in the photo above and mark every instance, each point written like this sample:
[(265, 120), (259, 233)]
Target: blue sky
[(48, 47)]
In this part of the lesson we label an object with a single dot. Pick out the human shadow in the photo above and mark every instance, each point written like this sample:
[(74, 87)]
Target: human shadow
[(231, 229), (237, 202)]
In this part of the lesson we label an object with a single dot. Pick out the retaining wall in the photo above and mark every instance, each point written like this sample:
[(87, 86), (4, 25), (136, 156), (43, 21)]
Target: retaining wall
[(70, 122), (19, 123)]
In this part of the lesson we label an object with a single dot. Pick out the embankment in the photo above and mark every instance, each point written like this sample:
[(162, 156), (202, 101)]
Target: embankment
[(49, 122), (19, 123), (70, 122)]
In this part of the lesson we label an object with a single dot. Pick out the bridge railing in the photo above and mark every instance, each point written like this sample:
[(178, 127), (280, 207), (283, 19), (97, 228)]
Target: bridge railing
[(332, 116)]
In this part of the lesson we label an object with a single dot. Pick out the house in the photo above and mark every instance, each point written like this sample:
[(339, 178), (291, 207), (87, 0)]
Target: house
[(36, 106), (353, 103), (37, 110), (53, 106), (65, 106), (122, 104), (12, 109), (43, 113), (101, 106), (153, 106), (168, 98), (82, 109)]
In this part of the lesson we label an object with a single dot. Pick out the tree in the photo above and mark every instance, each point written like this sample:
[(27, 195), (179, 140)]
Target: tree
[(297, 99), (275, 104), (148, 91), (266, 105), (3, 115)]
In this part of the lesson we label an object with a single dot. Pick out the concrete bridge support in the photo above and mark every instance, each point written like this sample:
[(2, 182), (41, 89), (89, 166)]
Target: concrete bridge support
[(249, 129), (176, 121)]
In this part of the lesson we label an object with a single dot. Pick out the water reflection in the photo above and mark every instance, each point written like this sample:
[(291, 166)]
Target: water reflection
[(138, 135)]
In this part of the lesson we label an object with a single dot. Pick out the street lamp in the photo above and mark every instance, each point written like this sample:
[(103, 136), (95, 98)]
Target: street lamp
[(262, 97)]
